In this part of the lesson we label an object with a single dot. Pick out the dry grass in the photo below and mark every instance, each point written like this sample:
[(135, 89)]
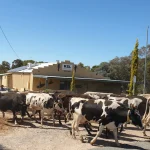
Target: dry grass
[(4, 126)]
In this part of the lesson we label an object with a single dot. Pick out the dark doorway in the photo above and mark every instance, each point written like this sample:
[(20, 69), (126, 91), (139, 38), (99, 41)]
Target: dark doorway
[(64, 85)]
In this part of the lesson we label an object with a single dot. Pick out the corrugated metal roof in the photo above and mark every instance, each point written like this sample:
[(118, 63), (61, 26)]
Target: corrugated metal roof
[(26, 69), (78, 78)]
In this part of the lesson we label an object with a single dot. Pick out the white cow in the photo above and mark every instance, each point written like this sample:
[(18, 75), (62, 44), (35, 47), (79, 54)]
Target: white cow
[(44, 102)]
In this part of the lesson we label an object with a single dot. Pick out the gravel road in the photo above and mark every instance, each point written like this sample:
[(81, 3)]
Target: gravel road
[(29, 136)]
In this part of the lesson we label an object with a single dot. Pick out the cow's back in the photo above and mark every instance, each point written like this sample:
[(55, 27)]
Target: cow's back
[(11, 101)]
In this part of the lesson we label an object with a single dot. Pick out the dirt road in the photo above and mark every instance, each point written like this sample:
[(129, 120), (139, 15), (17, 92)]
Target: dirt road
[(29, 136)]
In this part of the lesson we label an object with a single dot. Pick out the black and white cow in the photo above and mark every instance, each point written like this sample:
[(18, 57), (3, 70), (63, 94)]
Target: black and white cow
[(138, 102), (74, 98), (45, 103), (107, 113), (14, 102)]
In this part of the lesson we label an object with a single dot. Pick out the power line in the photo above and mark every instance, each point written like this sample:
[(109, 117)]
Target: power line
[(8, 42)]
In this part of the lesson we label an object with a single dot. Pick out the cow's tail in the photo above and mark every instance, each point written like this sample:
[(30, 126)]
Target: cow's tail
[(147, 110)]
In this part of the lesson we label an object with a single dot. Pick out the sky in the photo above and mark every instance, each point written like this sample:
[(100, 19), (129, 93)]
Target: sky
[(87, 31)]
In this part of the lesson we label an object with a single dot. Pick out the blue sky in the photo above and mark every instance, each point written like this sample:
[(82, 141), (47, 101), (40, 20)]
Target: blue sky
[(87, 31)]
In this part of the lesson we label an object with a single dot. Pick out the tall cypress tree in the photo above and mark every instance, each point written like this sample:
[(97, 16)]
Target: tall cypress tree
[(72, 87), (134, 66)]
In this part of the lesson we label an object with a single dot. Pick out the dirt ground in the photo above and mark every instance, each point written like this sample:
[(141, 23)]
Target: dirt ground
[(29, 136)]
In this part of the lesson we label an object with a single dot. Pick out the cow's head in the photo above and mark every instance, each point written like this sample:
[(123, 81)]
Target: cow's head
[(58, 104), (135, 117), (55, 102), (21, 99)]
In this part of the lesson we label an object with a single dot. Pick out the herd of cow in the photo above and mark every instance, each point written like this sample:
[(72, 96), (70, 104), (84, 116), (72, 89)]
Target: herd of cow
[(110, 111)]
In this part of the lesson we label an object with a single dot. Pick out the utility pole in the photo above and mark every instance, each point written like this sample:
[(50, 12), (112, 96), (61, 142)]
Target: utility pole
[(144, 89)]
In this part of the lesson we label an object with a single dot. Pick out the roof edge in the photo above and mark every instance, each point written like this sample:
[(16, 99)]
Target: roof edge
[(79, 78)]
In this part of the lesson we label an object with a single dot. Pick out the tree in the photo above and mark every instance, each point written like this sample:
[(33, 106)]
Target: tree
[(4, 67), (93, 69), (25, 62), (72, 87), (142, 51), (81, 64), (134, 67), (17, 63)]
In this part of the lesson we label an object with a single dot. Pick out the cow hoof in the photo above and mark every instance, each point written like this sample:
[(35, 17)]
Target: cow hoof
[(92, 143)]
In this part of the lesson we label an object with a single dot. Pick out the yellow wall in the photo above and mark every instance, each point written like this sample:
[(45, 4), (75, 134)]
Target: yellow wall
[(52, 70), (54, 86), (4, 80), (21, 81)]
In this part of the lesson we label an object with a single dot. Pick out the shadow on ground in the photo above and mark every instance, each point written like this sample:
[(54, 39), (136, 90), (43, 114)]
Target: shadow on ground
[(3, 147), (111, 144)]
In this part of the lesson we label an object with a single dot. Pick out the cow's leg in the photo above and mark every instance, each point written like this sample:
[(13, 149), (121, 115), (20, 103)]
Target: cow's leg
[(121, 128), (28, 115), (68, 116), (73, 129), (87, 128), (59, 119), (125, 125), (116, 136), (14, 117), (106, 134), (22, 117), (42, 116), (53, 117), (113, 127), (65, 117), (101, 127), (76, 127), (3, 114), (144, 130), (146, 123), (34, 114), (39, 114)]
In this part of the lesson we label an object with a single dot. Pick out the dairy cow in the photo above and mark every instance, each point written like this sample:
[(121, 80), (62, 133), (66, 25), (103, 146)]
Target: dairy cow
[(139, 102), (66, 98), (14, 102), (107, 113), (45, 103)]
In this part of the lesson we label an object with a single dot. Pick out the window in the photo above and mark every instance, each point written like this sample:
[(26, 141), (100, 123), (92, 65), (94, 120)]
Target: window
[(64, 85)]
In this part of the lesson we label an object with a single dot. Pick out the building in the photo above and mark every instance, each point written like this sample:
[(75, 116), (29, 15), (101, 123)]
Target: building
[(1, 75), (57, 76)]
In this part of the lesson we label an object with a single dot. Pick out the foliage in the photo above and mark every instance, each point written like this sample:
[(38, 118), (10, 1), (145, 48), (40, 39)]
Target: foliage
[(134, 67), (25, 62), (81, 64), (94, 68), (4, 67), (17, 63), (72, 86), (48, 91)]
